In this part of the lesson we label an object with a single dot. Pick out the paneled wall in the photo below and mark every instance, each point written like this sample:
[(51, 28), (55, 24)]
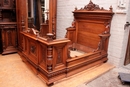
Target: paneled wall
[(119, 36)]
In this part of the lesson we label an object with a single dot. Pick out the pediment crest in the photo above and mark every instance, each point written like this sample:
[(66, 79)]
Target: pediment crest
[(92, 7)]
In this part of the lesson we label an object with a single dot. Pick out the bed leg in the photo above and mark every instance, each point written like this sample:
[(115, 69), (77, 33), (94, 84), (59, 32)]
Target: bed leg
[(50, 84)]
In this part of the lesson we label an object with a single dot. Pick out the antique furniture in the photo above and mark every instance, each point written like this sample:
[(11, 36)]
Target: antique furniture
[(85, 45), (8, 26)]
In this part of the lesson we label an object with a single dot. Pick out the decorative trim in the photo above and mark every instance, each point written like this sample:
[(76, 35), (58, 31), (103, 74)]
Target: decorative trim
[(57, 73), (23, 23), (50, 75)]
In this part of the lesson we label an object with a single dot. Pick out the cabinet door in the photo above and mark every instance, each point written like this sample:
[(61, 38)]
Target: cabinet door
[(9, 39)]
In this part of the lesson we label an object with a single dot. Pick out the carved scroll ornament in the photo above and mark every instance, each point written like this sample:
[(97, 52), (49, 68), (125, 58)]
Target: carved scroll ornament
[(92, 7)]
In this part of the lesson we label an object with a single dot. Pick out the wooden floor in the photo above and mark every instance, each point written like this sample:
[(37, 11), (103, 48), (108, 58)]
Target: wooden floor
[(15, 73)]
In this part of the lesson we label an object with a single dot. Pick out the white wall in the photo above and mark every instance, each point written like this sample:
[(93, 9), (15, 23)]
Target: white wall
[(118, 39)]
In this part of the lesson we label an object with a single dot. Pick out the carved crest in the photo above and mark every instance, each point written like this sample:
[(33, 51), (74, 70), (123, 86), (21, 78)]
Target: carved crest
[(92, 7)]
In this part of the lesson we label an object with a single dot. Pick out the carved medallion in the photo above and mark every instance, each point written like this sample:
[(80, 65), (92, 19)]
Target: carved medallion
[(33, 49)]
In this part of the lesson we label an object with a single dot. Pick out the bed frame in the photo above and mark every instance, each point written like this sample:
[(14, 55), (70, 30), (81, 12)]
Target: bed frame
[(54, 59)]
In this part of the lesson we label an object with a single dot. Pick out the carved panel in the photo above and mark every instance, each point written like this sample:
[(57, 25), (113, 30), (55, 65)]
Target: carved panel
[(59, 57), (42, 55), (9, 38), (32, 48), (60, 54)]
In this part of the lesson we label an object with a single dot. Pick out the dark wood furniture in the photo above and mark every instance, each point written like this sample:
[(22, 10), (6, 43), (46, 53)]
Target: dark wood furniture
[(8, 26), (7, 10), (9, 37), (51, 59)]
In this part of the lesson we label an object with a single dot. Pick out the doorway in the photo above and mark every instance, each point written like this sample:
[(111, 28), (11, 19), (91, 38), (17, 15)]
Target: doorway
[(127, 56)]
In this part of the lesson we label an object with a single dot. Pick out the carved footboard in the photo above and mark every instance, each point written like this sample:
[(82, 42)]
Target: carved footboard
[(46, 57)]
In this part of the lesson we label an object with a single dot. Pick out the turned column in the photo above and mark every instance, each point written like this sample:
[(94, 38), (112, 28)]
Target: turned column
[(49, 58)]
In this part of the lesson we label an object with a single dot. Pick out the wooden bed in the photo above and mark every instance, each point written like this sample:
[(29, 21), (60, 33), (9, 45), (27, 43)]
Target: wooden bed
[(85, 45)]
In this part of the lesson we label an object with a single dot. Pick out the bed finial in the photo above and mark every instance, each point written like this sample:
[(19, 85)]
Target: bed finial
[(90, 2), (111, 8), (75, 8)]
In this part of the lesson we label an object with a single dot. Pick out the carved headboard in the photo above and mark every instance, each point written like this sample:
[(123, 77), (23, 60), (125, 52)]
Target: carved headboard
[(88, 23)]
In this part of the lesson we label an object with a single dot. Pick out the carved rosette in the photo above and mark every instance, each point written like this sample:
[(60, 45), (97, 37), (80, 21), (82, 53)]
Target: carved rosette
[(49, 58), (33, 49)]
